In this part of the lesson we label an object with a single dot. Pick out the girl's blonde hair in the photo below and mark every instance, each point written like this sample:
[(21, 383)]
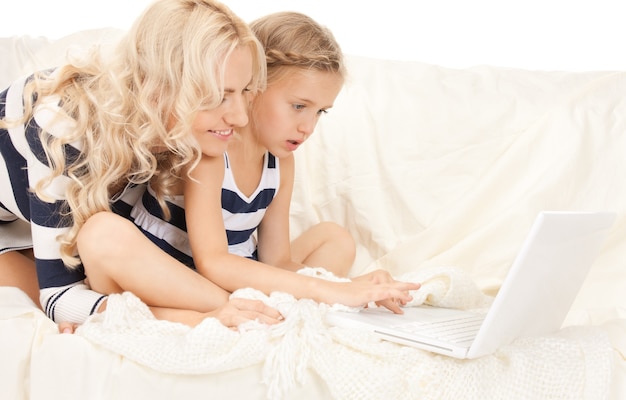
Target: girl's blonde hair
[(292, 39), (145, 97)]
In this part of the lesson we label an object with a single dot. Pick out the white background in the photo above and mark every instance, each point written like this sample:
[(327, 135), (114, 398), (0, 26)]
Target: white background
[(573, 35)]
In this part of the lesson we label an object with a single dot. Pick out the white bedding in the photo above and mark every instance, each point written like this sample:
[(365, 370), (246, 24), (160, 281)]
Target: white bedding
[(428, 167), (301, 358)]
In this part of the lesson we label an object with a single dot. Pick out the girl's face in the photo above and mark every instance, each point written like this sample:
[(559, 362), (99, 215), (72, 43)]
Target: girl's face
[(213, 128), (286, 113)]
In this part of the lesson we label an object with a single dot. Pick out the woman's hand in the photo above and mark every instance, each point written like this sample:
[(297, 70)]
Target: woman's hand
[(231, 314), (380, 287), (237, 311)]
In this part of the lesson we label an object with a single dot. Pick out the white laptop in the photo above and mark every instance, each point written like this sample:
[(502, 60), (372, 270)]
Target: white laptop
[(534, 298)]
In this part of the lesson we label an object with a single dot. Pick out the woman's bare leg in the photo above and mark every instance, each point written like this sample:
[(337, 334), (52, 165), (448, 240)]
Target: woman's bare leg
[(118, 257), (326, 245), (17, 268)]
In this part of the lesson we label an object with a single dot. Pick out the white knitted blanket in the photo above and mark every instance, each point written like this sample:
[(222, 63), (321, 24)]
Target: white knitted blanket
[(574, 363)]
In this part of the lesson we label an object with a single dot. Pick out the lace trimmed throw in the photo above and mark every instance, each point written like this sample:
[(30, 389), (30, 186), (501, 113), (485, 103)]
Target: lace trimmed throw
[(573, 363)]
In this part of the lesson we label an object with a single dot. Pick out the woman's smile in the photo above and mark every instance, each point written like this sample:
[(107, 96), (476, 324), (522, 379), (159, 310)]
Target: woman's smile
[(221, 134)]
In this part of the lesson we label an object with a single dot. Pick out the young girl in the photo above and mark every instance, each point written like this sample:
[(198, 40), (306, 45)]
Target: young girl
[(81, 142), (248, 189)]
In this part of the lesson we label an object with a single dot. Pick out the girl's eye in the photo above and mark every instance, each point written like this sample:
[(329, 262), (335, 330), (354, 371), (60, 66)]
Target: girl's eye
[(322, 111), (298, 107)]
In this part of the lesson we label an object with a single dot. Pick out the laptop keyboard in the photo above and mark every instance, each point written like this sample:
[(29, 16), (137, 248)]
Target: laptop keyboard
[(456, 329)]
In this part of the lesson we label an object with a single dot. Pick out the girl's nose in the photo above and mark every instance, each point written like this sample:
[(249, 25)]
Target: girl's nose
[(307, 126)]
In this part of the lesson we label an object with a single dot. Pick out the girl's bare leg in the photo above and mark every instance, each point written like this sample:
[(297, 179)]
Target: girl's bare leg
[(117, 257), (326, 245), (17, 268)]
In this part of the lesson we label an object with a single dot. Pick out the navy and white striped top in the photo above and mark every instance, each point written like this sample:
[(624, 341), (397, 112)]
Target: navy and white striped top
[(27, 221), (242, 214)]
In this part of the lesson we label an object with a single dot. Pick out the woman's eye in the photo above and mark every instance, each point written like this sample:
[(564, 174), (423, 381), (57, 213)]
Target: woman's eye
[(322, 111), (298, 106), (224, 98), (206, 106)]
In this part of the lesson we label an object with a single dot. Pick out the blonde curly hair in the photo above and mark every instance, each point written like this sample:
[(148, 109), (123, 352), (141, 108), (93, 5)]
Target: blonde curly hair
[(133, 112)]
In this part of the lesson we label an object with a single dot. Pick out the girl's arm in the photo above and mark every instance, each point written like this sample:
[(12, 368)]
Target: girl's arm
[(207, 237), (274, 244), (209, 245)]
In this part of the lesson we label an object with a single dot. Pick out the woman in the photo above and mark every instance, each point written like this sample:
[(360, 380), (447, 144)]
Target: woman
[(84, 140)]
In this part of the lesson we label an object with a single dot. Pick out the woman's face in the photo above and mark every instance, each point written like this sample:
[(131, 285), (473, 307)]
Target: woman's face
[(286, 113), (213, 128)]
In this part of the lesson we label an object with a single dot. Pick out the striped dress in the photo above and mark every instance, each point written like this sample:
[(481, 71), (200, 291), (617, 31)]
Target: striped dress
[(242, 215), (26, 221)]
